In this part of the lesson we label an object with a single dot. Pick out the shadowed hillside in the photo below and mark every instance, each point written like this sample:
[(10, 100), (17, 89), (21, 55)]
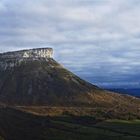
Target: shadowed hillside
[(17, 125)]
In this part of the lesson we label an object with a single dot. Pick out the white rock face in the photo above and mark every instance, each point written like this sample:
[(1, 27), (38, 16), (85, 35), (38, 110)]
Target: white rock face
[(12, 59), (38, 53), (32, 53)]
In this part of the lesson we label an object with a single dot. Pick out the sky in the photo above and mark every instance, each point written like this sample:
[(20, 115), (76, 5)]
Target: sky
[(99, 40)]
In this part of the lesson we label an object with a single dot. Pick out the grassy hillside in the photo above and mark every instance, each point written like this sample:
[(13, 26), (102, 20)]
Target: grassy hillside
[(47, 83), (117, 112), (18, 125)]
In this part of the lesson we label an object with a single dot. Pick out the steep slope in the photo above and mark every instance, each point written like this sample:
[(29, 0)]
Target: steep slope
[(33, 77)]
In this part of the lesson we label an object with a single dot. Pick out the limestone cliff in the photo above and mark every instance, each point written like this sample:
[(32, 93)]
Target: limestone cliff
[(12, 59)]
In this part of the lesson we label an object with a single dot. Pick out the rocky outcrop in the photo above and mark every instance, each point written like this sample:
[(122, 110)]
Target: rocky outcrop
[(31, 53), (12, 59)]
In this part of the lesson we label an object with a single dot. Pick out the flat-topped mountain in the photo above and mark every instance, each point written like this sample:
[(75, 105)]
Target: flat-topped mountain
[(34, 78)]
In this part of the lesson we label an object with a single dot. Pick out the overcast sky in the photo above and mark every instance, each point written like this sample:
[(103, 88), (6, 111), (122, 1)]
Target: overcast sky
[(97, 39)]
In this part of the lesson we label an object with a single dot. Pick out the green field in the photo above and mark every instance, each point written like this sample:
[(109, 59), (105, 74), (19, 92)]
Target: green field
[(106, 130), (18, 125)]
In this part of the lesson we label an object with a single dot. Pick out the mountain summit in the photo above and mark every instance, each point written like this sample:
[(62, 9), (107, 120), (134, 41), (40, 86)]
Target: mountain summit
[(33, 78)]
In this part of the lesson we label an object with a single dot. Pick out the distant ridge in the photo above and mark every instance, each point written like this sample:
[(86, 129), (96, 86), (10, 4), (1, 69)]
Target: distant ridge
[(130, 91)]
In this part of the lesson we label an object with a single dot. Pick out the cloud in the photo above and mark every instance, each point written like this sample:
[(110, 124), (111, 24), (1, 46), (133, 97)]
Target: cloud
[(93, 38)]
